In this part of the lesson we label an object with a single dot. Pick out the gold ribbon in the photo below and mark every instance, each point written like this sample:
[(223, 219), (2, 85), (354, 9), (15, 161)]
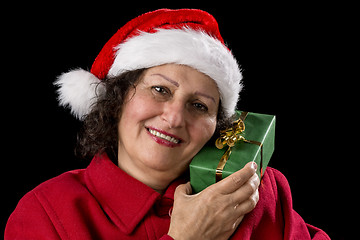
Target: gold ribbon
[(229, 137)]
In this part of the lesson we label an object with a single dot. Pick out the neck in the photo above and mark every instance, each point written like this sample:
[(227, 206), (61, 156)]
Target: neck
[(157, 180)]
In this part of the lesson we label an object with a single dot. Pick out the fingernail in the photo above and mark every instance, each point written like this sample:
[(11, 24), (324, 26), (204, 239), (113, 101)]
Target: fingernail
[(254, 165)]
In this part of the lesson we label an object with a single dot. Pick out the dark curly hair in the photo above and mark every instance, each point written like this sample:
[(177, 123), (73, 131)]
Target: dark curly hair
[(99, 133)]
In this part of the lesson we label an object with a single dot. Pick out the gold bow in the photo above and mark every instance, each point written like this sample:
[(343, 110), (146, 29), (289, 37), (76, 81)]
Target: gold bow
[(229, 137)]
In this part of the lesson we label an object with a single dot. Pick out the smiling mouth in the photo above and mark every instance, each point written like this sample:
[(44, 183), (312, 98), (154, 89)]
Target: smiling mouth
[(164, 136)]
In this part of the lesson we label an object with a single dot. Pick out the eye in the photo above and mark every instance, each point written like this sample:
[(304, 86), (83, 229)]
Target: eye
[(160, 89), (200, 107), (161, 93)]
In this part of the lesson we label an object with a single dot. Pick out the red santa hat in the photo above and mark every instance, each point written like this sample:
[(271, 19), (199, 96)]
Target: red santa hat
[(186, 36)]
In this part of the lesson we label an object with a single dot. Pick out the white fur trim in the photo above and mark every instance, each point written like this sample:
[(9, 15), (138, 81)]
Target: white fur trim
[(78, 90), (187, 47)]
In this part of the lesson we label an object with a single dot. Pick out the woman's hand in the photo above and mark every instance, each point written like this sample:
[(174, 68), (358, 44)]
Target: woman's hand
[(215, 212)]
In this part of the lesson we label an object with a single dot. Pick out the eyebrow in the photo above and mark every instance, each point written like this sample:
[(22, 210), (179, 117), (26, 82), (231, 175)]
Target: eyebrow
[(167, 79), (205, 95)]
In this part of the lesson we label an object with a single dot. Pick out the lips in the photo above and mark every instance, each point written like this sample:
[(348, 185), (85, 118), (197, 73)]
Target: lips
[(163, 137)]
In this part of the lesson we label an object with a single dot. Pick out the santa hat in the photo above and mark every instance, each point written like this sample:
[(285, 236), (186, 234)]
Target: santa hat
[(186, 36)]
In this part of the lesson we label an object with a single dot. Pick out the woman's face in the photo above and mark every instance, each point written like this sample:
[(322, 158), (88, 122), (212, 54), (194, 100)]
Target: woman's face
[(166, 120)]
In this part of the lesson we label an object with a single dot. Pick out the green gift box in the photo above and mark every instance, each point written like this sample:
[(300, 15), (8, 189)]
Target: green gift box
[(251, 138)]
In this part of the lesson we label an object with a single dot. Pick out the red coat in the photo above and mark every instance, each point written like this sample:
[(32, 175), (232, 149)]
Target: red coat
[(103, 202)]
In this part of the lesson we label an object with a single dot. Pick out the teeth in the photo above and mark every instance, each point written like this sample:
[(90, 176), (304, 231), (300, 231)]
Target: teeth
[(163, 136)]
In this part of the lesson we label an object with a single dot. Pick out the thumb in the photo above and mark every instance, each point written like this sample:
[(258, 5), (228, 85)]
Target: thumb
[(184, 189)]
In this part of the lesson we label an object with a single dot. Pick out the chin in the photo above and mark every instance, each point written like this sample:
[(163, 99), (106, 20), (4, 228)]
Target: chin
[(165, 162)]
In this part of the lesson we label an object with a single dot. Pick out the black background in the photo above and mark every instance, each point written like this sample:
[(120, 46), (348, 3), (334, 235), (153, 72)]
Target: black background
[(290, 56)]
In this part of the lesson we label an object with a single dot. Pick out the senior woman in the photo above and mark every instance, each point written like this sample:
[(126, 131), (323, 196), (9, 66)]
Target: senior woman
[(157, 92)]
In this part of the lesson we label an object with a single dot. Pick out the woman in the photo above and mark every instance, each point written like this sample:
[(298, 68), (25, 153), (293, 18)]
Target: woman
[(157, 92)]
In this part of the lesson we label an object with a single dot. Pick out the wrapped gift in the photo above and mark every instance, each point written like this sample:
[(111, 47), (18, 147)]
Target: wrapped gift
[(250, 138)]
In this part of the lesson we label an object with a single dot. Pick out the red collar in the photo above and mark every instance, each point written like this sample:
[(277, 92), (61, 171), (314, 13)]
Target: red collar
[(124, 199)]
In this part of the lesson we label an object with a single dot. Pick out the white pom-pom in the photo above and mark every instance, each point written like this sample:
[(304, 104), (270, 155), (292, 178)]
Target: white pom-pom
[(78, 90)]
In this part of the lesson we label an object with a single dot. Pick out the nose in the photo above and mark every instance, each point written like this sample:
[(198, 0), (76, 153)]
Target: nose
[(174, 114)]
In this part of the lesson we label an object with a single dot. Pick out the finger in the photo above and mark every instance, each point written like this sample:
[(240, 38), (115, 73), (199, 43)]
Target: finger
[(237, 222), (248, 205), (246, 190), (236, 180), (183, 189)]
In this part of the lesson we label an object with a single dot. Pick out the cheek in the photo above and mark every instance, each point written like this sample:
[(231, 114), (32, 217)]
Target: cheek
[(203, 130), (138, 108)]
